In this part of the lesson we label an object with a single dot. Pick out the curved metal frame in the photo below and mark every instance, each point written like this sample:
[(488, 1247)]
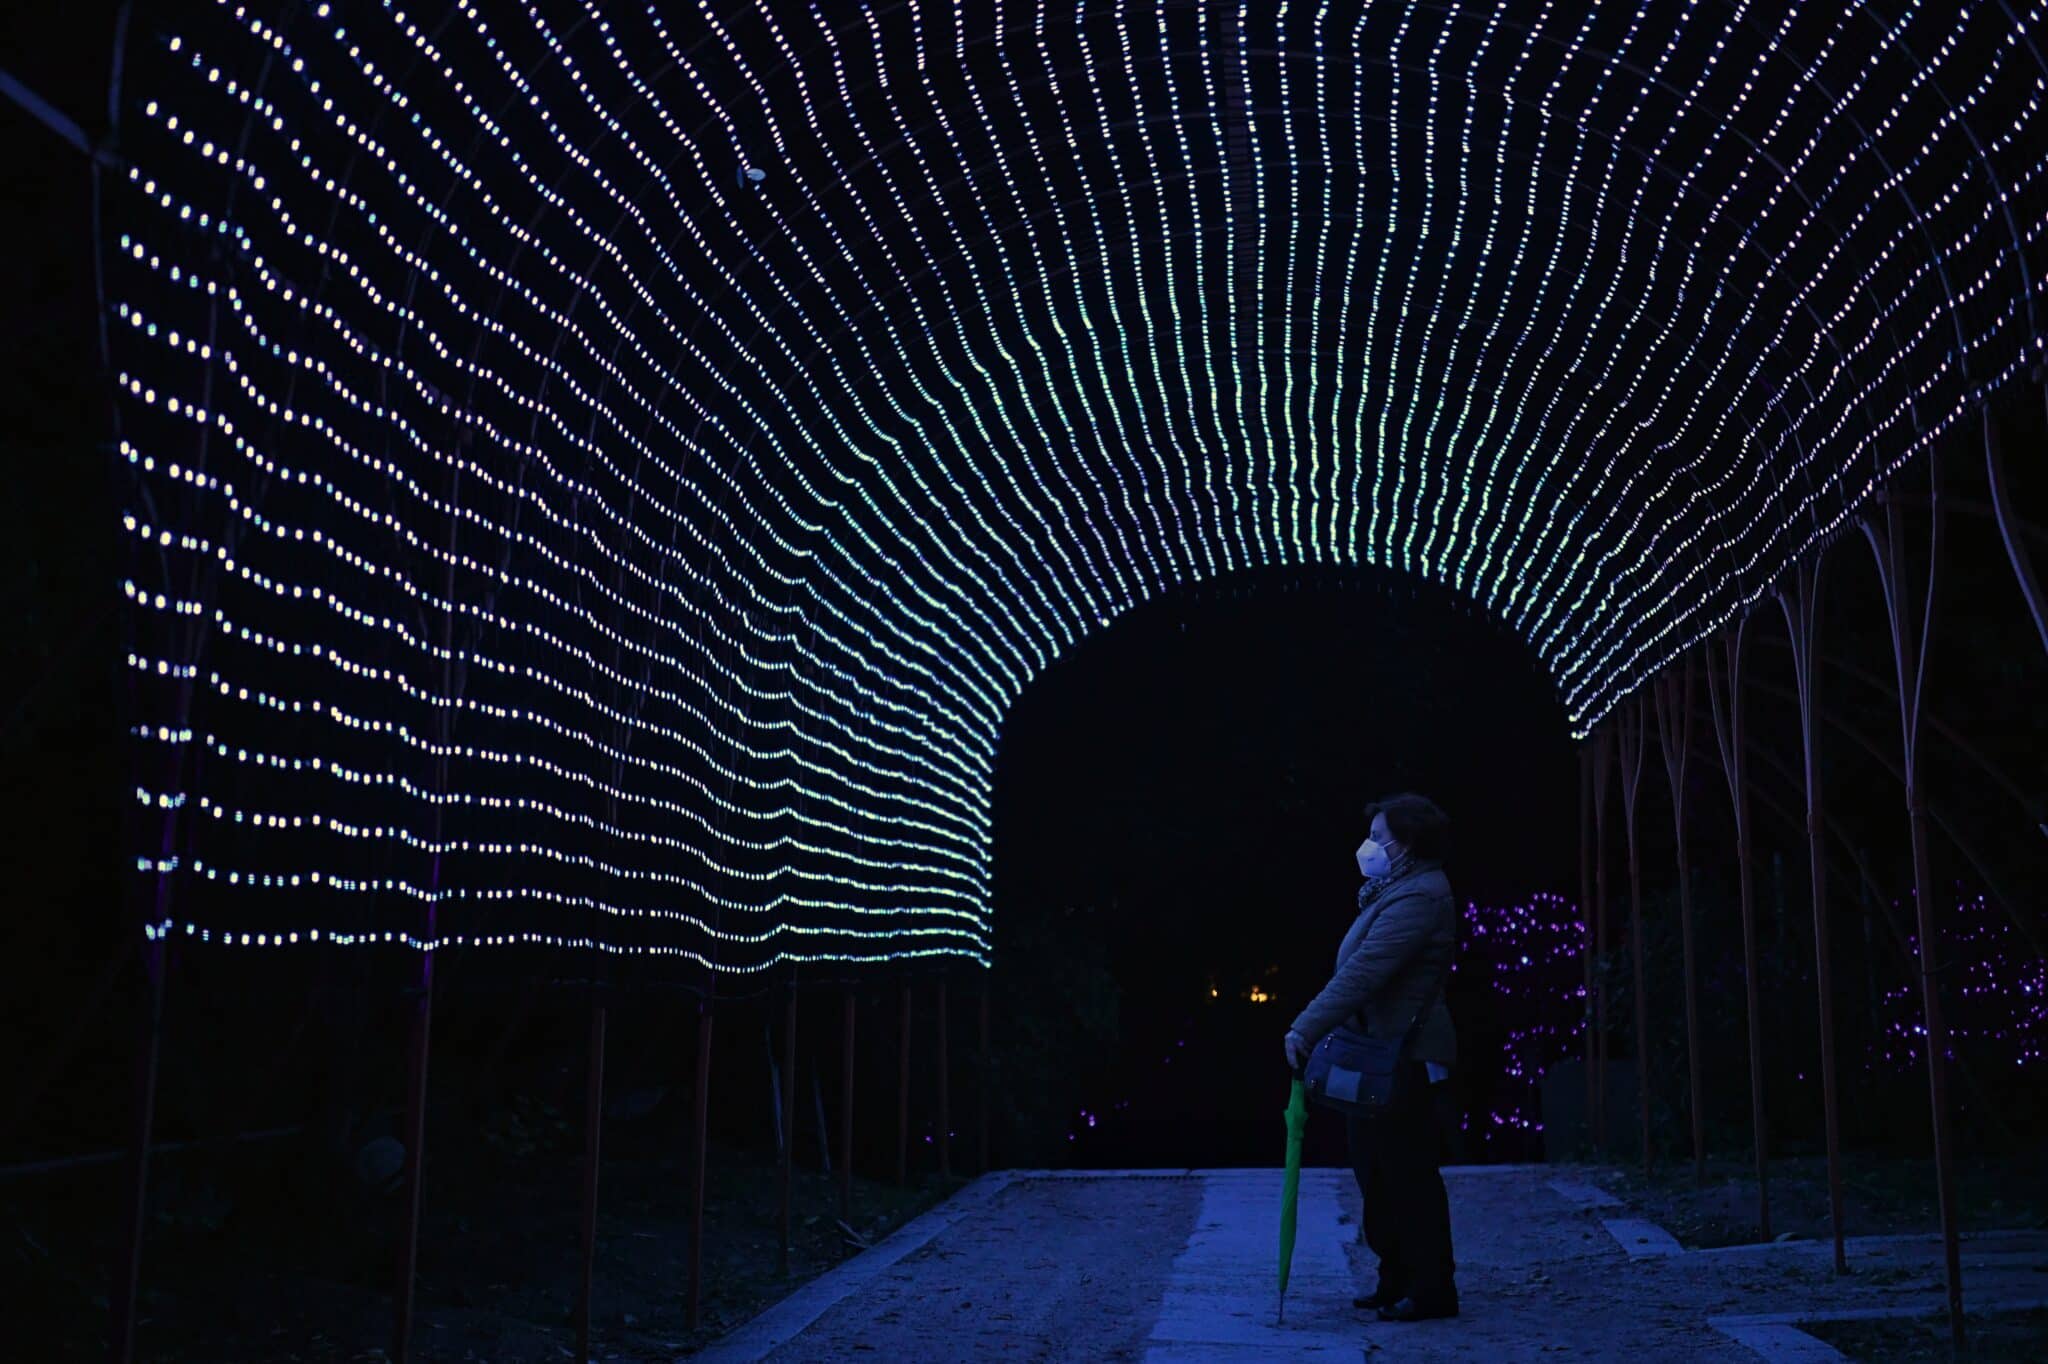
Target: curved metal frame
[(1603, 745), (1674, 707), (1911, 636), (1801, 604), (2009, 528), (1587, 955), (1629, 725), (1724, 693)]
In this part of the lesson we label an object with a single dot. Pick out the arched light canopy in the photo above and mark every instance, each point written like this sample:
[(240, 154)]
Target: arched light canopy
[(599, 473)]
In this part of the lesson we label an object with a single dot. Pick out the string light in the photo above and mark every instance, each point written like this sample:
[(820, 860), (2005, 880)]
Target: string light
[(1995, 994), (600, 478), (1530, 960)]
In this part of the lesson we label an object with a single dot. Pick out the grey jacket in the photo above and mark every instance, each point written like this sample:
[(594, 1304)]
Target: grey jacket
[(1398, 945)]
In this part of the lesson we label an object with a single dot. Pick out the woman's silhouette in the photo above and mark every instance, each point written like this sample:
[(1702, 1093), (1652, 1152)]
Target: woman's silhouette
[(1391, 970)]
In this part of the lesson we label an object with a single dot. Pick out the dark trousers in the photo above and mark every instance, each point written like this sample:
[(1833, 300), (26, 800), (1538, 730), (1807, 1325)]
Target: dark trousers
[(1407, 1215)]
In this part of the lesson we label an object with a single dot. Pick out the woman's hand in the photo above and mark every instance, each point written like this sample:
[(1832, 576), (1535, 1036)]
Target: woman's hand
[(1297, 1050)]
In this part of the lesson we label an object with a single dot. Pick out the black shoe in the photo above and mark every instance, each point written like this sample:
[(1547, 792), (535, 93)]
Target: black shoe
[(1408, 1309), (1379, 1298)]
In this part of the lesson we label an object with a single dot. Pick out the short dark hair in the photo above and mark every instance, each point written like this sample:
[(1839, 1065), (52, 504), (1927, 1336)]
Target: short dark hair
[(1417, 822)]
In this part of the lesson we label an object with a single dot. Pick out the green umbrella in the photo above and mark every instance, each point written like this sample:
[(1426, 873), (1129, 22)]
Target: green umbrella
[(1290, 1186)]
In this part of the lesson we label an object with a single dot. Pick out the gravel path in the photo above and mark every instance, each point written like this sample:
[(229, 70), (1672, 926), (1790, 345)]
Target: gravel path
[(1180, 1267), (1539, 1274), (1051, 1269)]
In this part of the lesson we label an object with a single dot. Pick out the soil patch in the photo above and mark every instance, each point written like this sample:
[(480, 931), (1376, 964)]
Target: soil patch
[(240, 1264), (1995, 1338), (1880, 1195), (1052, 1269)]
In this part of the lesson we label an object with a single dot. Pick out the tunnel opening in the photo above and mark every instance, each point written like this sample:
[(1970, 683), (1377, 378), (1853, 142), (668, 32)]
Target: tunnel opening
[(1177, 804)]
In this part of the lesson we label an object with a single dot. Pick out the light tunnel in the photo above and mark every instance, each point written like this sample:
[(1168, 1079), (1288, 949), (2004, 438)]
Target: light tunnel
[(598, 474)]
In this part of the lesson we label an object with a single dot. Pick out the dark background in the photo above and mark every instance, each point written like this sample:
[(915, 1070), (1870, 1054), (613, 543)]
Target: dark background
[(59, 587), (1183, 794)]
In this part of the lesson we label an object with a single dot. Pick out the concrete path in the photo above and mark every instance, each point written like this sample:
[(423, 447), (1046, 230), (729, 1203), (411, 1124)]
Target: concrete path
[(1220, 1298), (1180, 1266)]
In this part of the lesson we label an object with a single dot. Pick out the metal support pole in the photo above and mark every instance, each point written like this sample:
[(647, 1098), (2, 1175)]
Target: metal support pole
[(824, 1132), (593, 1128), (1674, 700), (415, 1148), (700, 1124), (987, 1079), (1724, 689), (1909, 658), (846, 1112), (788, 1133), (903, 1092), (1586, 920), (1936, 1025), (2008, 527), (945, 1101), (1951, 742), (1867, 904), (423, 993), (128, 1268), (1602, 743), (1630, 724), (1802, 623)]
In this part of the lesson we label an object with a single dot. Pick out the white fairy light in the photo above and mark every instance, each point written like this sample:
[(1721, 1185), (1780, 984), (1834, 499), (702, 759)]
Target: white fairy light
[(599, 479)]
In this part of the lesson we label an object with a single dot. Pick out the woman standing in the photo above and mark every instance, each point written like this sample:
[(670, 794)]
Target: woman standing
[(1391, 972)]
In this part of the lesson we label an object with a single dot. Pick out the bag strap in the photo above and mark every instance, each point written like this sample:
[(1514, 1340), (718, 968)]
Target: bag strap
[(1436, 987)]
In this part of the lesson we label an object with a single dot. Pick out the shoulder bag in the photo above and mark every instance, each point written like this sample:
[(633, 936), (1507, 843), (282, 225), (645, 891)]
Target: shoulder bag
[(1352, 1071)]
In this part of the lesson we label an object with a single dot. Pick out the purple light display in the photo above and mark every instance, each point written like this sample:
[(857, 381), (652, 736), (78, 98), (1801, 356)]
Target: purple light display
[(1528, 958), (1994, 995)]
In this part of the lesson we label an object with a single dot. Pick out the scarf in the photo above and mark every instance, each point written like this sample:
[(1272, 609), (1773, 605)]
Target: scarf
[(1375, 887)]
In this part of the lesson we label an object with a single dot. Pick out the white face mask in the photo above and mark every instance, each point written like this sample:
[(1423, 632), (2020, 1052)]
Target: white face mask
[(1373, 859)]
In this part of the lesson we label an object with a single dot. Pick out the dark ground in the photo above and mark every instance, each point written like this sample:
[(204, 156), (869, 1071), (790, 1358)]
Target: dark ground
[(1881, 1195), (1995, 1338), (237, 1267), (1053, 1270), (1104, 1267)]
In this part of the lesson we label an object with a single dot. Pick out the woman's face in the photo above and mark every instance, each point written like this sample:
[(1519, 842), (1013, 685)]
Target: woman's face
[(1379, 834)]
